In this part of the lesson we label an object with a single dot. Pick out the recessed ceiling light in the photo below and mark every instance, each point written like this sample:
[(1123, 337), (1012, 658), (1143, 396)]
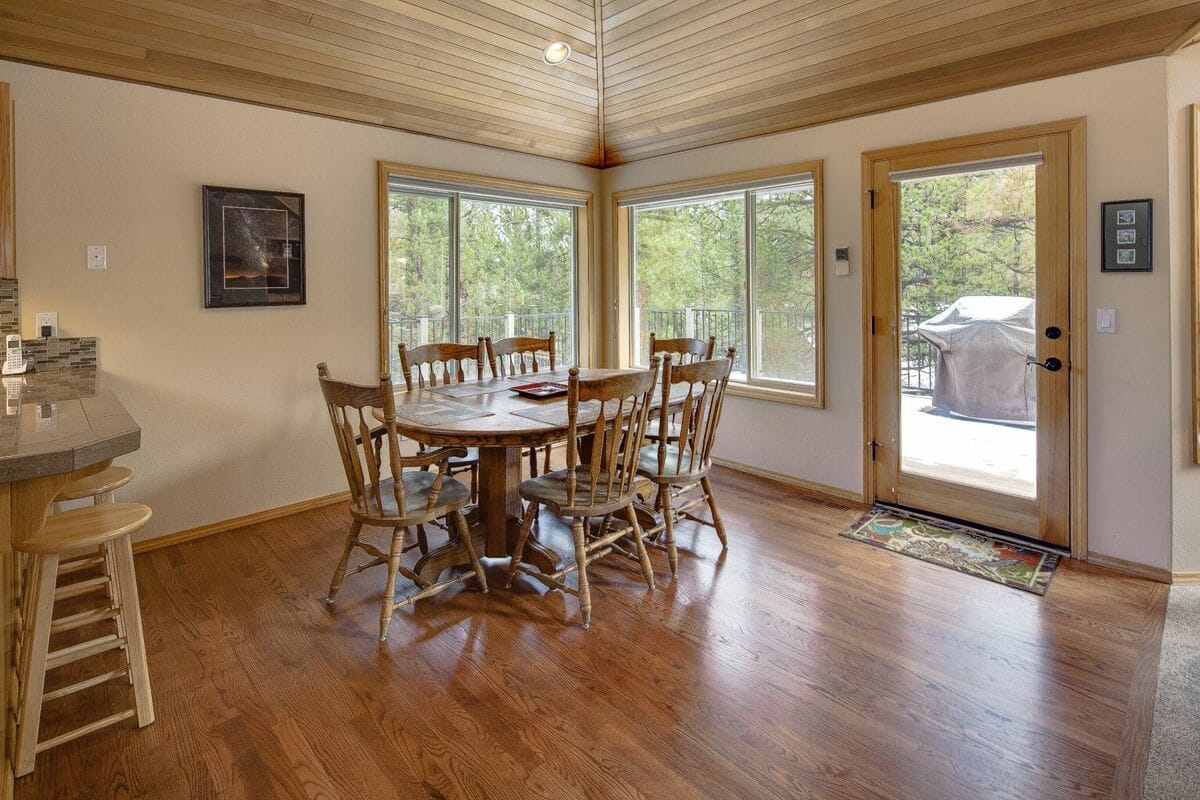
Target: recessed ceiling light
[(556, 53)]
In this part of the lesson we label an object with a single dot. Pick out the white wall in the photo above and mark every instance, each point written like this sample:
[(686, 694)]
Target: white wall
[(1183, 89), (1129, 372), (232, 420)]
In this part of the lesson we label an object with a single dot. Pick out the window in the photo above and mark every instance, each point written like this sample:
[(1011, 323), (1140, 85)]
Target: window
[(736, 259), (465, 257)]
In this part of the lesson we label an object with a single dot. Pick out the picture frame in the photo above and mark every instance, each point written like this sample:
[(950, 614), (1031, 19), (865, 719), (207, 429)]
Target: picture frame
[(1126, 230), (254, 253)]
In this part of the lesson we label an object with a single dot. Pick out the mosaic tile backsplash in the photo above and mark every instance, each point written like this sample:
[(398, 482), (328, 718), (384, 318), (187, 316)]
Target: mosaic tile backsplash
[(43, 354), (10, 316)]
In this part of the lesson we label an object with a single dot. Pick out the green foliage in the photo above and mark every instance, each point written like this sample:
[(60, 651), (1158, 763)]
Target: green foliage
[(967, 235)]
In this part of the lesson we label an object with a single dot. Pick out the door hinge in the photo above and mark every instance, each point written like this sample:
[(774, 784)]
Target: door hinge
[(874, 445), (872, 193)]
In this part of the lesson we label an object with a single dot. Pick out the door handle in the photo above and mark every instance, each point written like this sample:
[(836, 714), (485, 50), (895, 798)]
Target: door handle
[(1051, 364)]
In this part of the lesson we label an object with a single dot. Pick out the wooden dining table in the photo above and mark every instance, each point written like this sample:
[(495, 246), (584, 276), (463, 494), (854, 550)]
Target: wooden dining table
[(489, 415)]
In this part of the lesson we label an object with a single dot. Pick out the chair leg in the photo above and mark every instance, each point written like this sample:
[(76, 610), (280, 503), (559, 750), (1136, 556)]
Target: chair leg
[(422, 540), (533, 468), (43, 574), (585, 591), (706, 484), (643, 556), (474, 483), (522, 536), (546, 468), (464, 533), (669, 528), (339, 574), (389, 590), (131, 614)]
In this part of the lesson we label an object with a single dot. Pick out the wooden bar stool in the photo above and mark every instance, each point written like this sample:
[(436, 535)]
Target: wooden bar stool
[(106, 526), (99, 487)]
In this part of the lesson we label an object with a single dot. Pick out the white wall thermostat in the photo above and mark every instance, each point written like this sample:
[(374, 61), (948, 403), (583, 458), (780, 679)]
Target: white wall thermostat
[(14, 361)]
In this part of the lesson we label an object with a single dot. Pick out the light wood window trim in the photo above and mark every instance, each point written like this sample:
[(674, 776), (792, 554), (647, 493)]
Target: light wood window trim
[(586, 343), (623, 273), (1078, 214), (1195, 229), (8, 222)]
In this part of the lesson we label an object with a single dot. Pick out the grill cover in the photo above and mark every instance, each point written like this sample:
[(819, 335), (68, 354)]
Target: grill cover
[(981, 347)]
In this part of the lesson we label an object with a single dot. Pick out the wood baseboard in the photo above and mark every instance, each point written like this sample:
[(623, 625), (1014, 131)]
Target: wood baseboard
[(1185, 578), (818, 490), (212, 528), (1135, 568)]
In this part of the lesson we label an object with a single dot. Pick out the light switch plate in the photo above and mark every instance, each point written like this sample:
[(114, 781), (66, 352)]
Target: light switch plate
[(97, 256), (1106, 320), (841, 261), (44, 318)]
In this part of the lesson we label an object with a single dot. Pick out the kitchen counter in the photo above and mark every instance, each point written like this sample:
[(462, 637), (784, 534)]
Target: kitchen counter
[(61, 421)]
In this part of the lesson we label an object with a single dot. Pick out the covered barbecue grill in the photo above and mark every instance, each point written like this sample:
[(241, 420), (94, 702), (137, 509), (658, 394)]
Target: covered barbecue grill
[(982, 344)]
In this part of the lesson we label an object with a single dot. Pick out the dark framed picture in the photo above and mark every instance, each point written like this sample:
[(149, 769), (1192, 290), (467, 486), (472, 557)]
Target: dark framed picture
[(1126, 245), (253, 247)]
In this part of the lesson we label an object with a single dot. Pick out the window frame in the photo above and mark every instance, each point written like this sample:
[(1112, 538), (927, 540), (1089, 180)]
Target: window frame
[(624, 278), (495, 190)]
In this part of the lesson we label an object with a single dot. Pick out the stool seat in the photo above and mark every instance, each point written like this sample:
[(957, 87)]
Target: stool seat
[(109, 480), (85, 527)]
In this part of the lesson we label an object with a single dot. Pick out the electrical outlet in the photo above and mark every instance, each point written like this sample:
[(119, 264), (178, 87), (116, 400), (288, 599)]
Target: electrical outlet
[(46, 419), (44, 320), (97, 256)]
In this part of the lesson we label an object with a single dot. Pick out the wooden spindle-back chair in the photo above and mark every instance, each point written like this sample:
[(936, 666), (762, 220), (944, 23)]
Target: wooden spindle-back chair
[(383, 494), (598, 481), (681, 465), (518, 355), (683, 350), (442, 363)]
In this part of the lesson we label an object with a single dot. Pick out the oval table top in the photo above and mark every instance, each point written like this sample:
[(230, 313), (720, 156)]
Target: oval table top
[(487, 413)]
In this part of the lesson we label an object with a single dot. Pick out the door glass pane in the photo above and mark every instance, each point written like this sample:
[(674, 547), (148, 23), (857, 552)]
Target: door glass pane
[(690, 274), (418, 304), (517, 273), (968, 404), (785, 297)]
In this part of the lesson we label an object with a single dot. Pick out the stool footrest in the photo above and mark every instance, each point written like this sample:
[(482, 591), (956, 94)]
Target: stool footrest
[(79, 564), (82, 618), (91, 727), (80, 587), (85, 684), (69, 655)]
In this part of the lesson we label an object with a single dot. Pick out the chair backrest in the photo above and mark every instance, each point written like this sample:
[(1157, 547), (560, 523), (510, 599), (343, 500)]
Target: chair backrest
[(518, 355), (349, 407), (617, 433), (428, 360), (686, 348), (706, 382)]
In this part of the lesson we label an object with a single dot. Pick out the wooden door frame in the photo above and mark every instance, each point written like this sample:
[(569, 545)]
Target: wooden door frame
[(1076, 130)]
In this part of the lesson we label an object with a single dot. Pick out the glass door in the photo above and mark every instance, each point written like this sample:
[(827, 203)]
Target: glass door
[(970, 292)]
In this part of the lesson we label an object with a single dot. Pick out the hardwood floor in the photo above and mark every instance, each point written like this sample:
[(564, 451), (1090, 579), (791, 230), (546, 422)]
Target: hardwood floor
[(796, 665)]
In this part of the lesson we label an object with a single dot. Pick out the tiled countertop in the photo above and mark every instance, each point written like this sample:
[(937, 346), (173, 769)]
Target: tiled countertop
[(64, 420)]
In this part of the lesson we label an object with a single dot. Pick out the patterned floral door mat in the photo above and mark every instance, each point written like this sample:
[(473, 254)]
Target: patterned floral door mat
[(956, 547)]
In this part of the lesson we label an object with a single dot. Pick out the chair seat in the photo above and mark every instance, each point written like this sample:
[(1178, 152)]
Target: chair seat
[(417, 485), (86, 527), (551, 489), (653, 433), (676, 469), (108, 480)]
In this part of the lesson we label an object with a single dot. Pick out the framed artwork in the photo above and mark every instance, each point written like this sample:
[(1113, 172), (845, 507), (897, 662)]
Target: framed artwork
[(1127, 227), (253, 248)]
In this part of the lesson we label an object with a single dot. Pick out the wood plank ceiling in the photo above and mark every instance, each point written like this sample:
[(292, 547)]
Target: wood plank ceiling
[(674, 74)]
